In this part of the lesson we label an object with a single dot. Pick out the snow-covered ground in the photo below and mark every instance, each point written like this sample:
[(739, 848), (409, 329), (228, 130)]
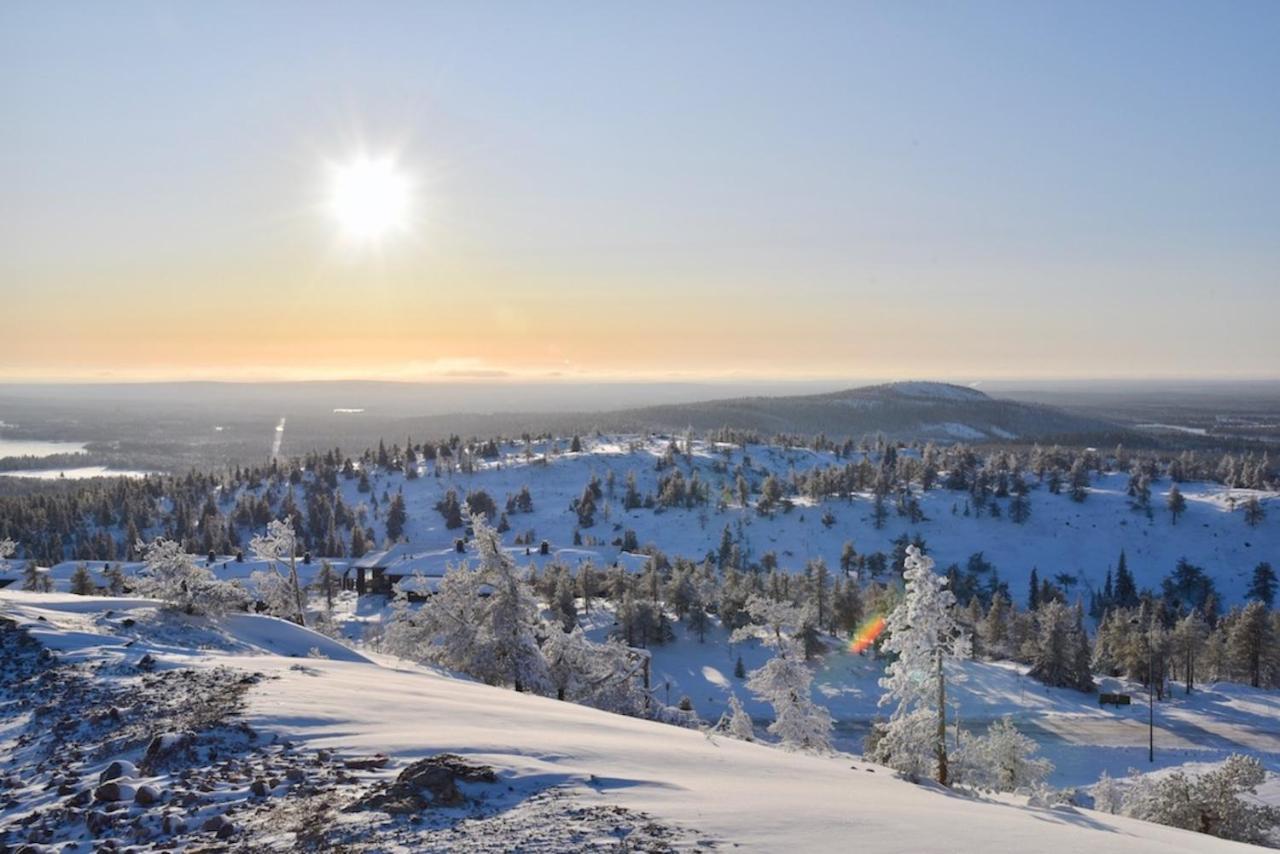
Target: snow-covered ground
[(561, 769)]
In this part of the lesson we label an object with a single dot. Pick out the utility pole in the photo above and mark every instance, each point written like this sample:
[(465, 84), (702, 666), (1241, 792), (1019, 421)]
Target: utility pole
[(1151, 700)]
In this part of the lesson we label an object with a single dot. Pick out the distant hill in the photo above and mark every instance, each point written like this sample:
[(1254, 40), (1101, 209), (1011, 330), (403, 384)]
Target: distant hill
[(906, 410)]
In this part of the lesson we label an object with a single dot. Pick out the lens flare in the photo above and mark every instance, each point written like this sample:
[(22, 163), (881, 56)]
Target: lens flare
[(866, 634)]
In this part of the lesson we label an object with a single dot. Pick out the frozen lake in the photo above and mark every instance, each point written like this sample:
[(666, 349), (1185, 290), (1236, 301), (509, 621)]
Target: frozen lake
[(74, 473), (36, 448)]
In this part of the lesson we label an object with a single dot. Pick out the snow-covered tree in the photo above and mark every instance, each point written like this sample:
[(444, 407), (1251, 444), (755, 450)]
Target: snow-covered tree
[(608, 676), (925, 635), (8, 548), (81, 581), (1002, 760), (279, 545), (784, 681), (481, 621), (171, 575), (35, 580), (736, 722), (1209, 803)]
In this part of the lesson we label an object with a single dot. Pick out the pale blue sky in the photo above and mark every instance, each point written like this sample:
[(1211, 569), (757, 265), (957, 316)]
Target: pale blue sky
[(1042, 189)]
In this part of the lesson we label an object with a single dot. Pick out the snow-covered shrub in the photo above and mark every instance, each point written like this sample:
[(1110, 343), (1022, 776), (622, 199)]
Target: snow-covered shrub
[(736, 722), (172, 576), (1002, 760), (784, 680), (1207, 803), (1107, 796)]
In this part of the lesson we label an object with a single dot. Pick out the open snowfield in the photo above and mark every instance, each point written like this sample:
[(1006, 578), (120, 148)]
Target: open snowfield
[(558, 765)]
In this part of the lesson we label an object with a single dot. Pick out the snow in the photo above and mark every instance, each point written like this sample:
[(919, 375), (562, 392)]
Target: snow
[(936, 391), (755, 797)]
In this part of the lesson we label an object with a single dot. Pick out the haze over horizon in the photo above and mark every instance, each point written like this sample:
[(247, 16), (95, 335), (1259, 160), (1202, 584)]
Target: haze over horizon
[(720, 192)]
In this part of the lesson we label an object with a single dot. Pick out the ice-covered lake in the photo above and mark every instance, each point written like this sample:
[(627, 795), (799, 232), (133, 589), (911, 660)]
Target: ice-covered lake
[(78, 473), (10, 447)]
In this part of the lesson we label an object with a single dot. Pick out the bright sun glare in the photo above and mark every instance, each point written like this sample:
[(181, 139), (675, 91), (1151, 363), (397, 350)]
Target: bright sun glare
[(369, 198)]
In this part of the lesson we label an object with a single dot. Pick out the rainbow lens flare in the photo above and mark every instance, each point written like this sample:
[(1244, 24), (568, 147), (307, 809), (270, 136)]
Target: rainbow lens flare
[(866, 634)]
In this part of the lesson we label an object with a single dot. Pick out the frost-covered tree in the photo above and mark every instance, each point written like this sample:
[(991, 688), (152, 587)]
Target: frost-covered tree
[(481, 621), (607, 675), (925, 635), (172, 576), (1188, 639), (1002, 760), (1210, 803), (8, 548), (736, 722), (283, 596), (784, 681)]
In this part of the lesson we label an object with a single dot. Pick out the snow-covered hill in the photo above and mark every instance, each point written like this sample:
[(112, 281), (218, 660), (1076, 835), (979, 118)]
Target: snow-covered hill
[(305, 749), (1083, 539)]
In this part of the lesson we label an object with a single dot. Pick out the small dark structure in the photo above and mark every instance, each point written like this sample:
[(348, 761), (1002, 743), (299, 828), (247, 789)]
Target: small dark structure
[(1113, 700)]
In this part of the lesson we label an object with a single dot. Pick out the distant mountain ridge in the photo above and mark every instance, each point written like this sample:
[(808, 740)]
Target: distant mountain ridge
[(901, 410)]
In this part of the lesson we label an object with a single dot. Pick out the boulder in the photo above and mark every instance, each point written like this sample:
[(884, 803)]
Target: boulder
[(117, 769), (146, 795), (112, 791)]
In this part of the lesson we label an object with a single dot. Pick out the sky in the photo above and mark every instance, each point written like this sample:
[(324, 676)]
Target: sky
[(636, 191)]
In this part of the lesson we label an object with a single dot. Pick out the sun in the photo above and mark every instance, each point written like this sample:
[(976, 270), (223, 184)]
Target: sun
[(369, 198)]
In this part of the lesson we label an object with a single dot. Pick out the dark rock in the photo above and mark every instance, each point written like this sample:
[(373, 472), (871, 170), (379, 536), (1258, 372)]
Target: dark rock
[(165, 747), (368, 763), (295, 775), (117, 769), (112, 791), (146, 662), (260, 788), (146, 795), (426, 783)]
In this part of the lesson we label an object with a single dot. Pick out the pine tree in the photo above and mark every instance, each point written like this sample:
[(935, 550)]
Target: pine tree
[(1033, 594), (397, 516), (925, 635), (491, 637), (784, 681), (1253, 512), (1126, 589), (1188, 640), (81, 581), (1262, 586), (114, 577), (1250, 641), (1177, 504)]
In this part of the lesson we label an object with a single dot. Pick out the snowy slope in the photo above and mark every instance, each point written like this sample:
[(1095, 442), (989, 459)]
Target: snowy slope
[(712, 790), (1084, 539)]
